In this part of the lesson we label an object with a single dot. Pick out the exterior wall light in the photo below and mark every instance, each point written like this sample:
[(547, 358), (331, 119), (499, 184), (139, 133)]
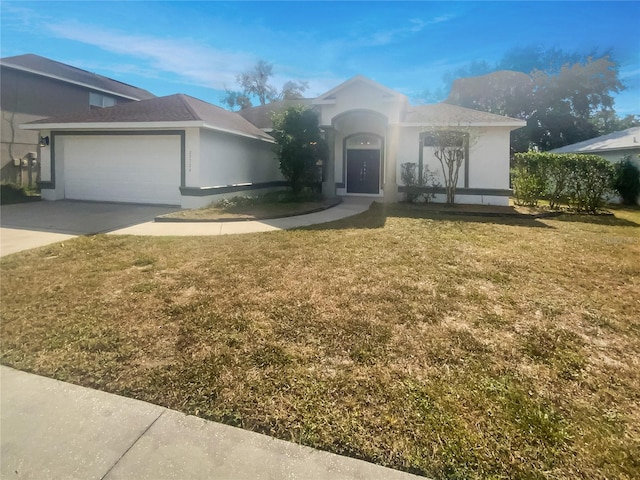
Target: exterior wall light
[(44, 141)]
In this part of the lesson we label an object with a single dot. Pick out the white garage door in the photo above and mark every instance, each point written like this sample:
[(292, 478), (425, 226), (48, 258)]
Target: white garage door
[(121, 168)]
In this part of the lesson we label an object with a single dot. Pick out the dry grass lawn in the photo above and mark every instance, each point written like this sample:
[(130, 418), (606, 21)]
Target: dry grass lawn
[(453, 347)]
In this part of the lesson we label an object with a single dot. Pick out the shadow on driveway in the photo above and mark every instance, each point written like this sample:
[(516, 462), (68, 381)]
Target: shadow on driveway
[(30, 225), (78, 218)]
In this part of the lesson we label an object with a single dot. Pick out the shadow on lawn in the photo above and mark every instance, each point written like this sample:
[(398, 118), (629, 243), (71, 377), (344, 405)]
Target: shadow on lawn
[(609, 220), (378, 213)]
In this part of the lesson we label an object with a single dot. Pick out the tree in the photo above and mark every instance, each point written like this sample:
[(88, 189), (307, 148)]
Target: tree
[(235, 99), (559, 107), (606, 121), (255, 83), (292, 90), (450, 147), (299, 146)]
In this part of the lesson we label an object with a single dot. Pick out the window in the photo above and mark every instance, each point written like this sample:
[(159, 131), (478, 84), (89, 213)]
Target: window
[(98, 100)]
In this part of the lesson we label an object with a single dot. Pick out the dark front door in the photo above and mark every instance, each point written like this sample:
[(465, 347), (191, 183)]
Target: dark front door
[(363, 171)]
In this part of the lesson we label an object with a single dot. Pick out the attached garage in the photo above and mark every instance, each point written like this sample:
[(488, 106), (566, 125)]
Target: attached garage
[(135, 167), (174, 150)]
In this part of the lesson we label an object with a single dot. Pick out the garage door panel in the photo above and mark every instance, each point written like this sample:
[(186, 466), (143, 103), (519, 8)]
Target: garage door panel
[(122, 168)]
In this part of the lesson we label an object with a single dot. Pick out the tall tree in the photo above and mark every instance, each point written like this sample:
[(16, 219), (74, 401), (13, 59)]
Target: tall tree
[(235, 100), (559, 107), (293, 90), (255, 83)]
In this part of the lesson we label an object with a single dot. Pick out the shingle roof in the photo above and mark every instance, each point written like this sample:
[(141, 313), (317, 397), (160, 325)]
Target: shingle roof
[(260, 116), (624, 139), (446, 114), (50, 68), (172, 108)]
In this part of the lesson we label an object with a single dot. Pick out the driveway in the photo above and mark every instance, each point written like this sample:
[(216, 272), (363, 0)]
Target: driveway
[(29, 225)]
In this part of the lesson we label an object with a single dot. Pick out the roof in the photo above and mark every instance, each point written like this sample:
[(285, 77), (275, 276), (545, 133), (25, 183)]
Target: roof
[(444, 114), (330, 95), (622, 140), (170, 110), (261, 116), (50, 68)]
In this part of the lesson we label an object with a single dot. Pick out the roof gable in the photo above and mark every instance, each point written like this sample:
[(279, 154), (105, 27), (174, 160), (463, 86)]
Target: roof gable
[(172, 109), (330, 96), (45, 67)]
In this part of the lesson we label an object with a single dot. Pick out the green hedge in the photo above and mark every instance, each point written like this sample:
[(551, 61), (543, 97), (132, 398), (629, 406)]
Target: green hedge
[(579, 181)]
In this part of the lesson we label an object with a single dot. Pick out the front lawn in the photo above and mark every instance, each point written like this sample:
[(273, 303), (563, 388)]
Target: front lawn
[(454, 347), (276, 204)]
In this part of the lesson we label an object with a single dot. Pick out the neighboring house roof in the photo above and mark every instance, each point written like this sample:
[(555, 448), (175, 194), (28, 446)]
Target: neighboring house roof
[(622, 140), (444, 114), (260, 116), (45, 67), (330, 95), (172, 110)]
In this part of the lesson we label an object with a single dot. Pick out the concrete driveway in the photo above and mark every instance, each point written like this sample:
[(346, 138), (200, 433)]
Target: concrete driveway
[(29, 225)]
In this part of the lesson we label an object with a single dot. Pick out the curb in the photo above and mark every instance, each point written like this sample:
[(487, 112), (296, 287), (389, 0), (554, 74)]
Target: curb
[(162, 219)]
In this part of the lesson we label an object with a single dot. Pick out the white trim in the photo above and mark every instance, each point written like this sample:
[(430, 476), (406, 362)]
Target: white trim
[(81, 84), (517, 124), (235, 132), (79, 126), (110, 125)]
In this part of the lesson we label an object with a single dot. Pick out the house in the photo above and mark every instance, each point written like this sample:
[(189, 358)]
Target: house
[(183, 151), (612, 146), (34, 87), (372, 130)]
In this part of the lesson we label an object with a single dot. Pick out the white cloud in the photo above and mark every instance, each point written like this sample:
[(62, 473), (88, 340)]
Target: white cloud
[(388, 36), (190, 61)]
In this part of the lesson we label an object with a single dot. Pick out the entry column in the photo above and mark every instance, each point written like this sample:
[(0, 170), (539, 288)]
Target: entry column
[(390, 182), (329, 167)]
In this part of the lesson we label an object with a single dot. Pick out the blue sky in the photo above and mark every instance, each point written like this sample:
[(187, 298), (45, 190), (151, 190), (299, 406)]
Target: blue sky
[(198, 48)]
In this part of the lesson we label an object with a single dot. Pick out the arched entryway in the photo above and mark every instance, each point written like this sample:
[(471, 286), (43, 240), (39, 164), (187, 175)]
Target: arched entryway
[(363, 155), (358, 138)]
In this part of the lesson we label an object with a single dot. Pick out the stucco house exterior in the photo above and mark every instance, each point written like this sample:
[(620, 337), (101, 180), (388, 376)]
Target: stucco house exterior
[(612, 146), (33, 87), (174, 150), (183, 151)]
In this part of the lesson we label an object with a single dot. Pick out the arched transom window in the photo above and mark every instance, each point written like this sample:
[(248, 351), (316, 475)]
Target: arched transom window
[(364, 141)]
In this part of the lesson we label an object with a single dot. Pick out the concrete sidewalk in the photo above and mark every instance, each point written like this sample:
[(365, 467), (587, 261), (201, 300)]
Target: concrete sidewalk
[(56, 430), (349, 206)]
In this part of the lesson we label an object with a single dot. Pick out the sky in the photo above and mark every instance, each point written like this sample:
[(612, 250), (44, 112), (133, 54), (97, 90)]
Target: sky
[(198, 48)]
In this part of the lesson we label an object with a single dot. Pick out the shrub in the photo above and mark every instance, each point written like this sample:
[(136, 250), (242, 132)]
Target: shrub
[(416, 192), (12, 193), (582, 181), (590, 179), (529, 178), (626, 180), (299, 146)]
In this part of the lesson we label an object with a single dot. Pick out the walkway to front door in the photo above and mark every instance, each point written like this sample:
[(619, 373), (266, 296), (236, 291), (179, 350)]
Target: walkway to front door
[(363, 171)]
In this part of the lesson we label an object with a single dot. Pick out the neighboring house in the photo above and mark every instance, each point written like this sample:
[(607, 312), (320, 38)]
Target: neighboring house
[(34, 87), (613, 146), (174, 150), (180, 150)]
